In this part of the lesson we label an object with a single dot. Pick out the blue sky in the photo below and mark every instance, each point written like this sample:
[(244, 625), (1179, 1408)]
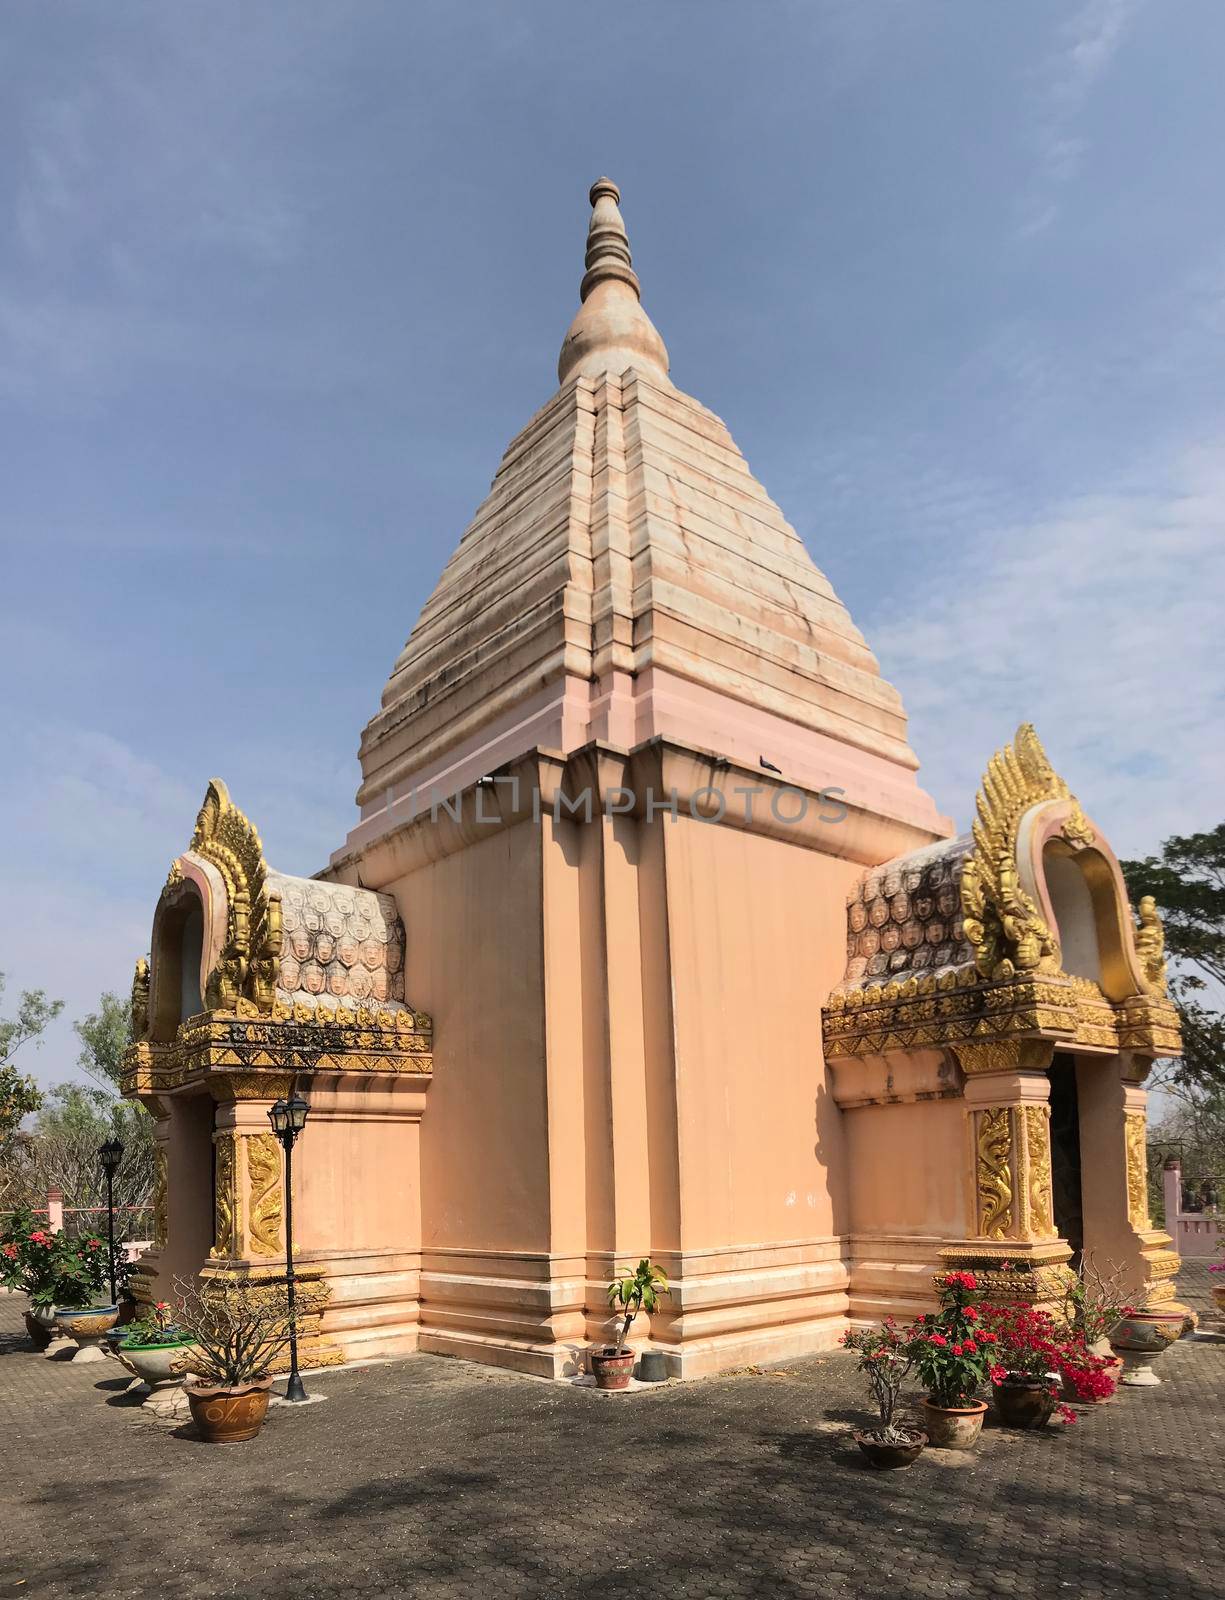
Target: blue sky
[(278, 283)]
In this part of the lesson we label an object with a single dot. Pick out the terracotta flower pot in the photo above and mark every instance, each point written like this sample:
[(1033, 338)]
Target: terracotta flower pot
[(953, 1427), (227, 1416), (1024, 1402), (1218, 1294), (885, 1456), (612, 1371)]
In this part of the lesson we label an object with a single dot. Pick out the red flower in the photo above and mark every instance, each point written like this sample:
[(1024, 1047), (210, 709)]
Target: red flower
[(937, 1338), (970, 1314), (969, 1347), (997, 1374), (95, 1244), (10, 1251)]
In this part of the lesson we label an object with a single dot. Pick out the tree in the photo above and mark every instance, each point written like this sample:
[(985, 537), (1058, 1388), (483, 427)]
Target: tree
[(1187, 881), (105, 1034), (73, 1120), (19, 1093)]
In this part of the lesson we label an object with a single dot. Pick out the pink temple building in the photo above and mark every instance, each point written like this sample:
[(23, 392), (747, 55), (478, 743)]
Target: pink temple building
[(648, 942)]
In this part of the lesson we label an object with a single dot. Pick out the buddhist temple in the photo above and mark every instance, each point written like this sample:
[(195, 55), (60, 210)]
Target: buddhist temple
[(647, 941)]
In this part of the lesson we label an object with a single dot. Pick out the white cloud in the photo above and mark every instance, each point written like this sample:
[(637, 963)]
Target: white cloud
[(1086, 44), (1100, 622)]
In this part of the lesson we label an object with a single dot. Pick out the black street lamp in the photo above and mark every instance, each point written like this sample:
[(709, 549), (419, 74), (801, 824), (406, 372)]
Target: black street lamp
[(110, 1154), (288, 1118)]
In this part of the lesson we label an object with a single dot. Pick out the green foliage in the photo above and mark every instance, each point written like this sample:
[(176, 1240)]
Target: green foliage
[(19, 1093), (1187, 880), (34, 1013), (105, 1034), (158, 1328), (638, 1292)]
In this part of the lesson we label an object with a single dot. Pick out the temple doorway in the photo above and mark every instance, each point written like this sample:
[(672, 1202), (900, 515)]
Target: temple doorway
[(1065, 1155)]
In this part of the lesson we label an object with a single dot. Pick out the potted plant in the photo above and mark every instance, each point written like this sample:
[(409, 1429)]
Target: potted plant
[(953, 1353), (239, 1330), (1140, 1336), (1026, 1375), (1094, 1302), (155, 1349), (613, 1364), (62, 1276), (885, 1357), (1086, 1376), (1218, 1288)]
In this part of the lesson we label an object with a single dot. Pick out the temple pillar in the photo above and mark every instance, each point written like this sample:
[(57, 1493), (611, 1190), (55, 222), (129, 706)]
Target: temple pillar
[(249, 1209), (1119, 1233), (1015, 1249)]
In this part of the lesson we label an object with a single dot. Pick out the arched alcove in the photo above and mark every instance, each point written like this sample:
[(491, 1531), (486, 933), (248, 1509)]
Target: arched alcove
[(178, 953), (1072, 903)]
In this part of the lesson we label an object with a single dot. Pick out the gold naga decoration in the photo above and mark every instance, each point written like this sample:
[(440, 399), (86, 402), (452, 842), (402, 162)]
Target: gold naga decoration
[(1040, 1222), (247, 966), (1002, 924), (1137, 1170), (226, 1205), (264, 1173), (994, 1173), (140, 999), (1150, 944), (160, 1174)]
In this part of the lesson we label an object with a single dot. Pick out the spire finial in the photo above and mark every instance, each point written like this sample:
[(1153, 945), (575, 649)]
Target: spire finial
[(611, 332)]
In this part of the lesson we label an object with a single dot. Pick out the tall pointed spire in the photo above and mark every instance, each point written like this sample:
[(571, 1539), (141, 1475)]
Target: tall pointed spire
[(611, 331)]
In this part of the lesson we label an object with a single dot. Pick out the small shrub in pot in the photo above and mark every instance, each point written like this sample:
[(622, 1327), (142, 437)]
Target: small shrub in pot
[(885, 1358), (613, 1365)]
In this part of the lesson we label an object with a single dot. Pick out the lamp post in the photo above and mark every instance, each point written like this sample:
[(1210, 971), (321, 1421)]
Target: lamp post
[(288, 1118), (110, 1154)]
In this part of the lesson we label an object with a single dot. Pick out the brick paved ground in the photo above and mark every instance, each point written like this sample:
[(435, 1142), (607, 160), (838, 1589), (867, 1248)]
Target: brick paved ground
[(433, 1478)]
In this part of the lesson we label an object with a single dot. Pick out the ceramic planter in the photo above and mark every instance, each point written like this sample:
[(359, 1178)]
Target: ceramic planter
[(40, 1325), (953, 1427), (88, 1328), (161, 1366), (228, 1416), (884, 1456), (1024, 1402), (612, 1371), (1218, 1294), (1139, 1340)]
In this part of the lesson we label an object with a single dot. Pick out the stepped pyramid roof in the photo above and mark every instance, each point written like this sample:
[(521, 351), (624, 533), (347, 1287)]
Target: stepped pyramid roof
[(626, 577)]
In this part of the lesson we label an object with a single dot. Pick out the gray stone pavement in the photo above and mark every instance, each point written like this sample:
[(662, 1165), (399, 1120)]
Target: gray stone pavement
[(437, 1479)]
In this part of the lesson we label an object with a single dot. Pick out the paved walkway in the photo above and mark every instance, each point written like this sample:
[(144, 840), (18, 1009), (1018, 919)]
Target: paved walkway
[(433, 1478)]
